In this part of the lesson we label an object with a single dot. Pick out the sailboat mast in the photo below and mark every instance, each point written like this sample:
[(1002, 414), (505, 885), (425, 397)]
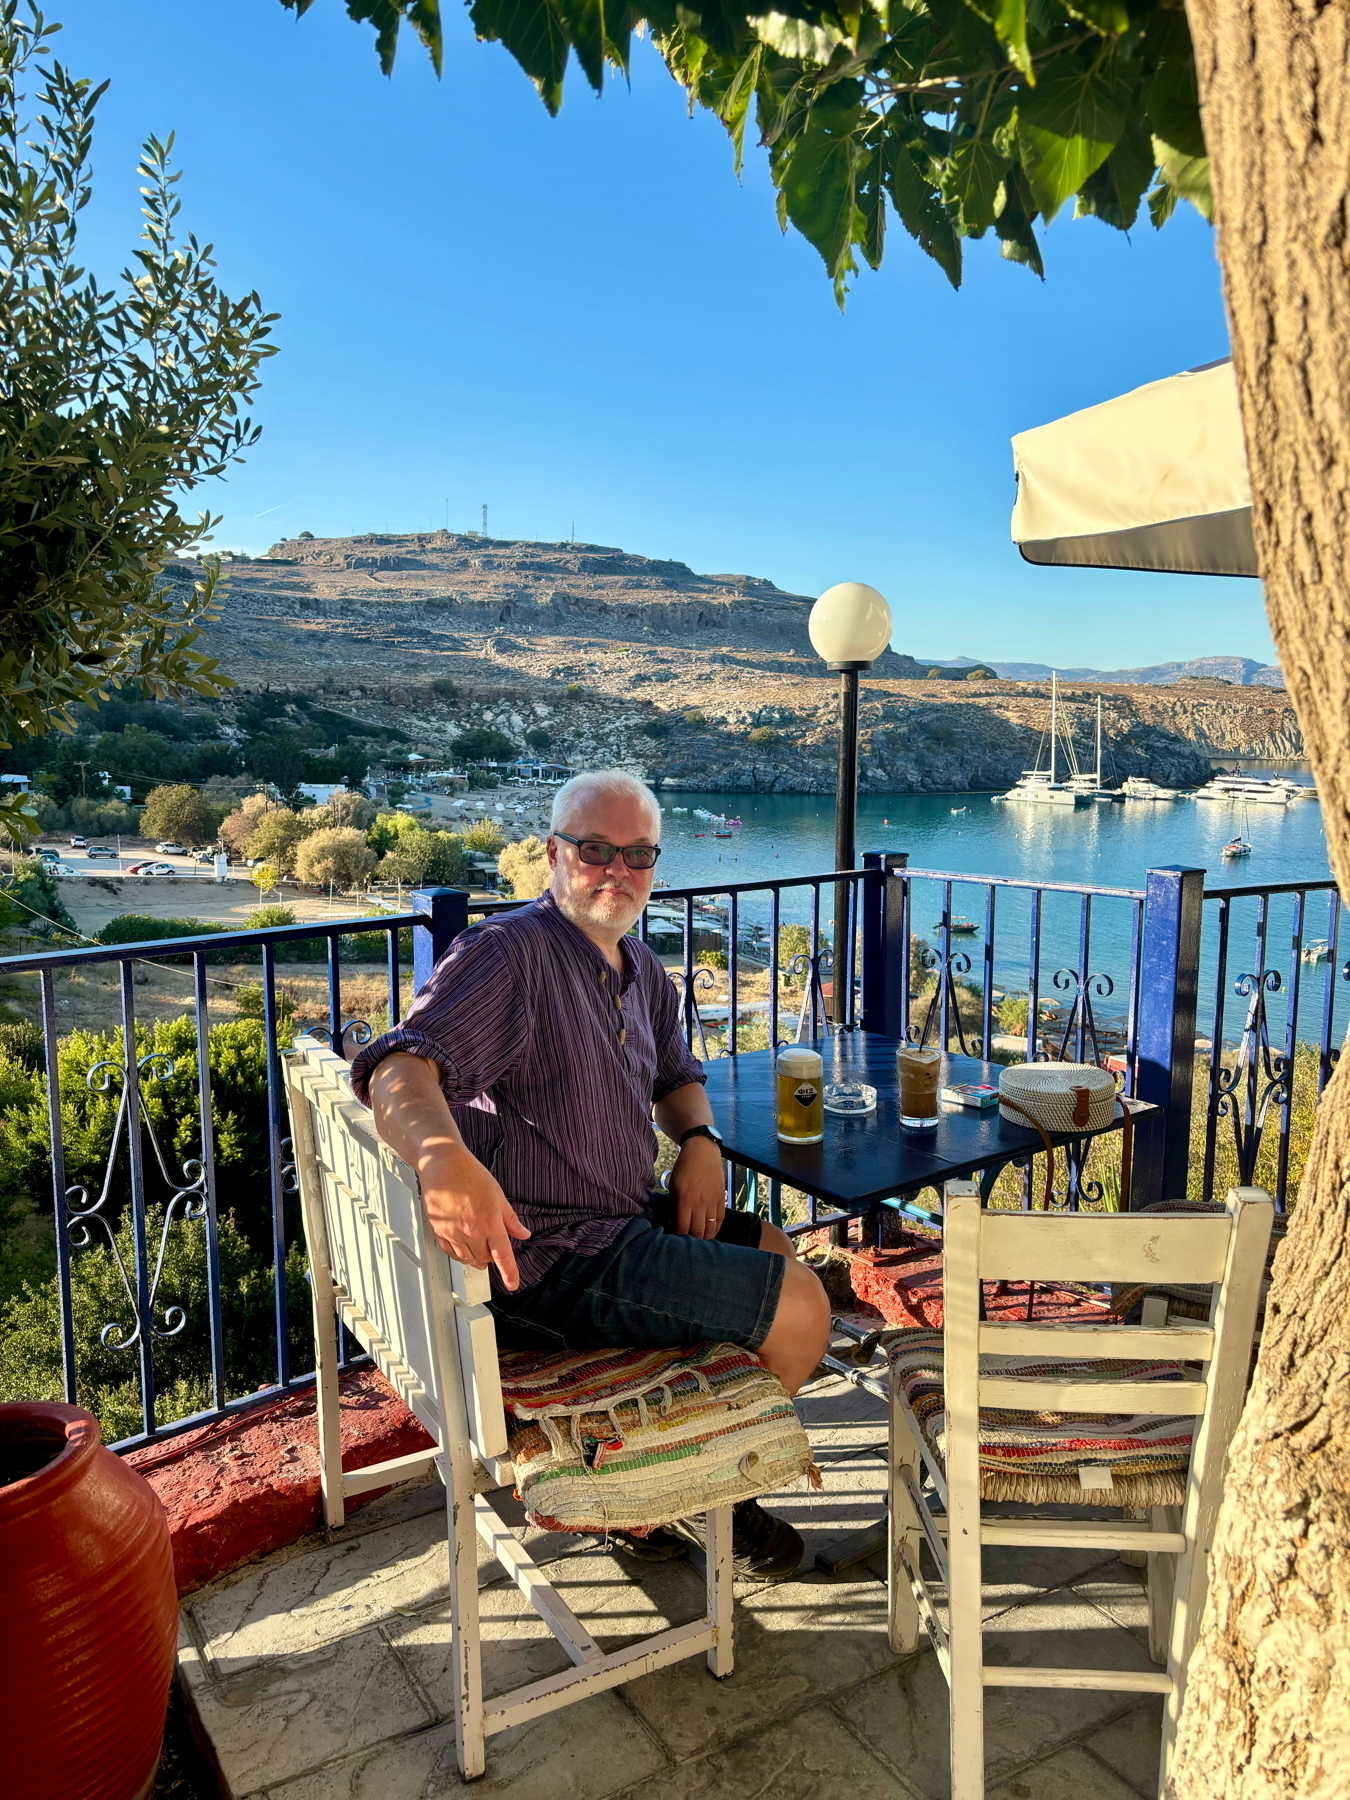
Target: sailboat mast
[(1054, 723), (1099, 740)]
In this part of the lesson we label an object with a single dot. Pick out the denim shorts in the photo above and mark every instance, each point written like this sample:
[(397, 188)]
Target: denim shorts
[(652, 1288)]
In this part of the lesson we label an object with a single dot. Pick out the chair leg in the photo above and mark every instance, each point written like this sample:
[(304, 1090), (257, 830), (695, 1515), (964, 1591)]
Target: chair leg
[(720, 1572), (903, 1536), (966, 1655), (1162, 1575), (466, 1649)]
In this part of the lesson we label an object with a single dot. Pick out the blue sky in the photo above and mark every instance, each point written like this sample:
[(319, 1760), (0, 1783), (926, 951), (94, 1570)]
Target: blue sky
[(586, 323)]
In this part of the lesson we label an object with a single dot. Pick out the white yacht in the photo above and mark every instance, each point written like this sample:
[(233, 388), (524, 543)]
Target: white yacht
[(1042, 787), (1139, 787), (1277, 791)]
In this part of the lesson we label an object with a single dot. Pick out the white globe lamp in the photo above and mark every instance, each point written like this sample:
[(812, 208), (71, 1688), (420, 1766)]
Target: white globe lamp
[(850, 625)]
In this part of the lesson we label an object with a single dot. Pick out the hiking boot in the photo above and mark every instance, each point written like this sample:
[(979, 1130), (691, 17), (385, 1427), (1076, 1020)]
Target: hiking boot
[(657, 1545), (763, 1548)]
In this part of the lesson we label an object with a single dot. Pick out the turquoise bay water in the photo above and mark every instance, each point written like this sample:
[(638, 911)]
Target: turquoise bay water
[(1102, 845)]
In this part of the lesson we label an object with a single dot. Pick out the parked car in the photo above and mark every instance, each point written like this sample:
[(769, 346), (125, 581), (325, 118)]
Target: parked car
[(100, 850), (171, 849), (78, 844), (47, 856), (205, 856), (60, 868), (152, 868)]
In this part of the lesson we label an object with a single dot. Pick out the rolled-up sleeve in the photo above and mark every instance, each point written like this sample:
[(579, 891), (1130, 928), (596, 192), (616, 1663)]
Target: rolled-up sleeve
[(472, 1020), (676, 1064)]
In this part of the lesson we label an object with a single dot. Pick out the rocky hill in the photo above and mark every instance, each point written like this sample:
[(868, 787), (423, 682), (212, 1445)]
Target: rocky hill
[(1236, 671), (701, 681)]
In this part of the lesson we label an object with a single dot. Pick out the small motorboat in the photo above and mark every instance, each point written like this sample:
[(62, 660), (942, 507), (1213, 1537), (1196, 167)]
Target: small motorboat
[(1236, 847), (960, 927), (1318, 951), (958, 810)]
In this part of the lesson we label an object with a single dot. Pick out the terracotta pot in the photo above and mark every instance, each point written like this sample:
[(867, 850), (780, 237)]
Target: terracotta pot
[(89, 1616)]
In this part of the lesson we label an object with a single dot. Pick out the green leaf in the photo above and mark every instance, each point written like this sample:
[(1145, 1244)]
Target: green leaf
[(1172, 107), (1113, 192), (800, 40), (1067, 126), (819, 188), (919, 206), (1187, 176), (1009, 20), (870, 186), (972, 181), (534, 32), (1013, 226), (733, 109)]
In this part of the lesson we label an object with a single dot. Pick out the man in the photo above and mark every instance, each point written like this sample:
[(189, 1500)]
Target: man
[(530, 1066)]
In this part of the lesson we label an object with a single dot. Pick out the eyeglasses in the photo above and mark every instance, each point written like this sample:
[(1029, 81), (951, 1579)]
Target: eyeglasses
[(600, 854)]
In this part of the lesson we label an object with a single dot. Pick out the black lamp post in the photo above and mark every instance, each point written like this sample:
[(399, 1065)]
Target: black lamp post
[(850, 626)]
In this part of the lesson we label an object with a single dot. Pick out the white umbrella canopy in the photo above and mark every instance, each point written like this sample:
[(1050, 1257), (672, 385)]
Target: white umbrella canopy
[(1155, 479)]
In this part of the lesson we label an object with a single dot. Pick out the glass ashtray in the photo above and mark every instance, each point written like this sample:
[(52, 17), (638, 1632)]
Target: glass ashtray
[(850, 1098)]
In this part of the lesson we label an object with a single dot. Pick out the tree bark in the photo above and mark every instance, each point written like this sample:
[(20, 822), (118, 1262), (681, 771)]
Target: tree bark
[(1267, 1709)]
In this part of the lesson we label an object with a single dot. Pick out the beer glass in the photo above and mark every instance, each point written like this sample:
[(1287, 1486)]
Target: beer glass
[(918, 1069), (801, 1113)]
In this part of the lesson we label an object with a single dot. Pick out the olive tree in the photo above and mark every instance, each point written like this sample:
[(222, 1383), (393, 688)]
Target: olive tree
[(116, 401), (337, 857), (958, 118)]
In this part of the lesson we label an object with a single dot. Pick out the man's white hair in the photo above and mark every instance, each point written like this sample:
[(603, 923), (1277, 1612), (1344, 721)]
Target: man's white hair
[(602, 784)]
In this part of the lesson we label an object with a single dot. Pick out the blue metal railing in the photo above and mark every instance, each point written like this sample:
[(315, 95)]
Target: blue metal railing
[(1120, 976)]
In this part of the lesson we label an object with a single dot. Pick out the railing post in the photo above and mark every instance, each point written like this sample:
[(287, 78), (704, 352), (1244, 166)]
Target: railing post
[(1169, 978), (884, 944), (446, 911)]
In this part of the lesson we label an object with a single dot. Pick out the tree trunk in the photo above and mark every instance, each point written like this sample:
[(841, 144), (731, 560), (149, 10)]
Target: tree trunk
[(1267, 1710)]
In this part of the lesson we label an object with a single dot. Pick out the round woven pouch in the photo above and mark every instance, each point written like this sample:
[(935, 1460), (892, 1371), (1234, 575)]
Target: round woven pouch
[(1058, 1096)]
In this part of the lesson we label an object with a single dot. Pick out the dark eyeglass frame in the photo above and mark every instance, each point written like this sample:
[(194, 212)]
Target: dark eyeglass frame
[(626, 851)]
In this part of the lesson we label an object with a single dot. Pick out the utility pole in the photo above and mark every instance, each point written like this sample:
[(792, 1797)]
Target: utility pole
[(485, 518), (84, 783)]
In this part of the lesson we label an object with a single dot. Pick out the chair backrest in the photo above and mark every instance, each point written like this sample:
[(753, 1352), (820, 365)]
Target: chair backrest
[(1226, 1251), (390, 1275)]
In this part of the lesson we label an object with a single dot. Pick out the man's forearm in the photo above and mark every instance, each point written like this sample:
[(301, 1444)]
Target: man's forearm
[(683, 1108), (412, 1115)]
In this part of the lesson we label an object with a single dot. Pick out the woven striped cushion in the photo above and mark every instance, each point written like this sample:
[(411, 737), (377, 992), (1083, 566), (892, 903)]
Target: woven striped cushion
[(609, 1440), (1035, 1457)]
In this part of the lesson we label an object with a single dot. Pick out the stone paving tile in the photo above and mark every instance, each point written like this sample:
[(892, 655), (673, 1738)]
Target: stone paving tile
[(292, 1716), (1133, 1744), (1120, 1592), (904, 1711), (344, 1584), (1072, 1775), (835, 1402), (795, 1644), (617, 1598), (811, 1757), (580, 1753)]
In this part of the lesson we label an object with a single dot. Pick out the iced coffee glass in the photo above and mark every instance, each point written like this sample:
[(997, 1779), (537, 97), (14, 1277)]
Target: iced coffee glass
[(918, 1070)]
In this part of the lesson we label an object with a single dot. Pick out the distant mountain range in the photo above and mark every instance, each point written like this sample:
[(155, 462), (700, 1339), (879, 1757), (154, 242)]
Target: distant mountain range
[(1241, 671)]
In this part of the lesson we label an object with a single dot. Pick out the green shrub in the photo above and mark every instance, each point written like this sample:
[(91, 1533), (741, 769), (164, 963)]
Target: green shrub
[(141, 928), (22, 1042), (695, 716), (484, 838), (764, 734), (537, 738), (262, 918), (574, 690), (657, 728), (483, 745), (713, 959), (1011, 1013), (107, 1378), (444, 688)]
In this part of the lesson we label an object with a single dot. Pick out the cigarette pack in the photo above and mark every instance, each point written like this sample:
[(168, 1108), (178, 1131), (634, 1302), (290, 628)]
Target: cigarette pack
[(971, 1093)]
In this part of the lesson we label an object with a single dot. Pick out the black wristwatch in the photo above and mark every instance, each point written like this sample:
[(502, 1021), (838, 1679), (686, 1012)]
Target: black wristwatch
[(707, 1131)]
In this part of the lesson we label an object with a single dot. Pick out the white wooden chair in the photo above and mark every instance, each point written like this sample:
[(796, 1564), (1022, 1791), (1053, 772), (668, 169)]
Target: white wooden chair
[(1226, 1250), (425, 1322)]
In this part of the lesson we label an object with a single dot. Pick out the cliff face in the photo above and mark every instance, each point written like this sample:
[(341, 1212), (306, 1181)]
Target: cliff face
[(701, 682)]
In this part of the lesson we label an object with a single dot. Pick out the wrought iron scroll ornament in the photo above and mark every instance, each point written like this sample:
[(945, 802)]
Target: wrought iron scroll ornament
[(1261, 1072), (811, 972), (948, 967), (188, 1194), (357, 1029), (699, 980), (1080, 1021)]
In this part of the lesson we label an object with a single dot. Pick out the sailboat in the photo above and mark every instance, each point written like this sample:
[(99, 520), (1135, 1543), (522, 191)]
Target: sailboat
[(1089, 785), (1040, 786)]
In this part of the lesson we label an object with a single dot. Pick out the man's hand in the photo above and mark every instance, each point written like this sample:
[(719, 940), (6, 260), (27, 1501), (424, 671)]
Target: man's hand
[(471, 1217), (698, 1183)]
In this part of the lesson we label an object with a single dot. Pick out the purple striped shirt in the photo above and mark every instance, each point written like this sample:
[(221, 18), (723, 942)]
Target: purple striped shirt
[(551, 1061)]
